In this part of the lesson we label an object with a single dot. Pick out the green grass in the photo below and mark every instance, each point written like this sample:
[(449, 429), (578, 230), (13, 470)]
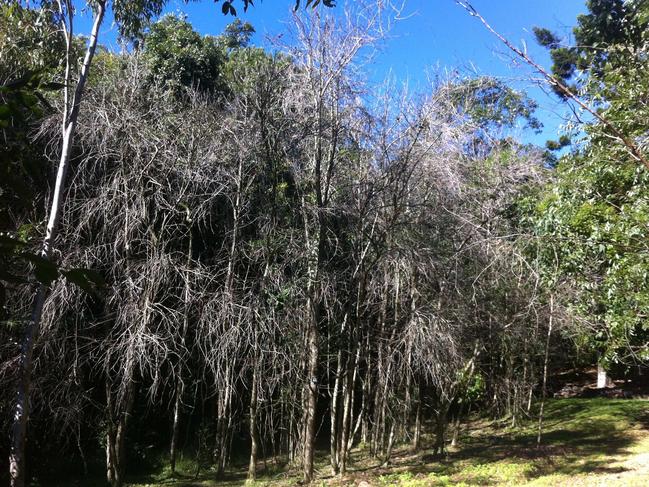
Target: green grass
[(585, 442)]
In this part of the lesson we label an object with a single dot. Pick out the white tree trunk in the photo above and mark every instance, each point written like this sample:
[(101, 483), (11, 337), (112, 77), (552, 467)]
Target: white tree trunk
[(21, 411), (602, 377)]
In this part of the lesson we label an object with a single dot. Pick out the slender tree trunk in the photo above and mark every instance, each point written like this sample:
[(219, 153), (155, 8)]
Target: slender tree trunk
[(224, 414), (545, 371), (380, 400), (440, 431), (314, 304), (252, 466), (360, 419), (388, 450), (82, 453), (120, 440), (21, 409), (290, 438), (312, 399), (385, 435), (111, 454), (365, 398), (116, 434), (602, 376), (176, 426), (348, 413), (333, 436), (416, 439), (456, 426), (377, 409), (223, 421), (179, 382), (344, 433)]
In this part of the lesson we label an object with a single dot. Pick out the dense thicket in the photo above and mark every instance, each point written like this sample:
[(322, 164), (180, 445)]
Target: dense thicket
[(286, 258)]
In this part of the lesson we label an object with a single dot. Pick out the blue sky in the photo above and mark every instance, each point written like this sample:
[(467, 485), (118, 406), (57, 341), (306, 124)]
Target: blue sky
[(433, 35)]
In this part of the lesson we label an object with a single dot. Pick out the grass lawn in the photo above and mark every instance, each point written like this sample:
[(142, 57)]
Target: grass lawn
[(586, 442)]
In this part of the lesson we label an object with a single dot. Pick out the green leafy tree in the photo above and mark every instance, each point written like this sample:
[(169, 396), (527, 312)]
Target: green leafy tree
[(591, 226), (491, 104), (29, 42), (591, 222), (491, 110), (604, 39), (238, 34), (30, 59), (179, 57)]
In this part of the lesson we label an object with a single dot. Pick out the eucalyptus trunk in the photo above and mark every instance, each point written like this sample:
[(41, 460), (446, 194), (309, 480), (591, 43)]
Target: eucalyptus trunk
[(21, 408)]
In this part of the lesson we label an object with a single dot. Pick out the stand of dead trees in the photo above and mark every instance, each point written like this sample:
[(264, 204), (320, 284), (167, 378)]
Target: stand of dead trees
[(297, 260)]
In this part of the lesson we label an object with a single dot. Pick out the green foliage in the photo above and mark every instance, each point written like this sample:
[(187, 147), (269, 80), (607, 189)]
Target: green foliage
[(592, 230), (21, 104), (132, 16), (474, 388), (555, 145), (565, 60), (245, 70), (546, 38), (22, 170), (179, 57), (237, 34), (604, 39), (492, 104), (591, 221), (29, 42)]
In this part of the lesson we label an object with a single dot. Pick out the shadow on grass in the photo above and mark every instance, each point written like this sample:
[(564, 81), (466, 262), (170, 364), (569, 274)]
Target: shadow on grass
[(228, 478), (580, 436), (237, 475)]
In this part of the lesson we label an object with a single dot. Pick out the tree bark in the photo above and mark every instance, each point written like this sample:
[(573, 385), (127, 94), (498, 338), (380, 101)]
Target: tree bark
[(348, 401), (252, 466), (223, 420), (545, 371), (440, 431), (416, 438), (602, 377), (388, 450), (311, 401), (179, 382), (116, 434), (21, 409), (456, 427), (176, 426), (333, 433)]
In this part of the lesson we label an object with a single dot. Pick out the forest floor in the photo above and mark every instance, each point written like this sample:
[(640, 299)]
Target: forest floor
[(586, 442)]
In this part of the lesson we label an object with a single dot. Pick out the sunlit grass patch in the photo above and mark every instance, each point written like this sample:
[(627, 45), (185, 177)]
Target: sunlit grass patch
[(503, 472)]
